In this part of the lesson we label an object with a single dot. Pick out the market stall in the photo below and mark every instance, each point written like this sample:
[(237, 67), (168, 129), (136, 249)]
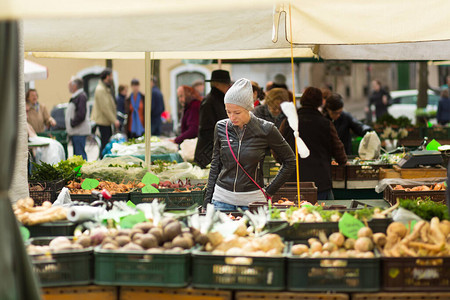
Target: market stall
[(234, 266)]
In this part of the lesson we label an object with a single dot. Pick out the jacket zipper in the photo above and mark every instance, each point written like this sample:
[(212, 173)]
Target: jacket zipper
[(239, 150), (256, 171)]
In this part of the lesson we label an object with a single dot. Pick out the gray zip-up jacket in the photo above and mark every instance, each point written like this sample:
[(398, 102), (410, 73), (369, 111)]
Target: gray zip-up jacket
[(249, 146)]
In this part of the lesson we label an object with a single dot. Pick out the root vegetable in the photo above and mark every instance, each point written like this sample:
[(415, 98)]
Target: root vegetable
[(84, 241), (60, 242), (122, 240), (424, 232), (132, 247), (379, 239), (171, 230), (406, 251), (363, 244), (157, 232), (329, 246), (427, 246), (398, 229), (415, 234), (149, 241), (316, 247), (337, 238), (435, 232), (349, 244), (365, 232), (312, 240)]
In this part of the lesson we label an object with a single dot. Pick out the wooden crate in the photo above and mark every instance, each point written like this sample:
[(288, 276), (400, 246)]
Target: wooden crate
[(91, 292), (412, 173), (289, 296), (401, 296), (150, 293)]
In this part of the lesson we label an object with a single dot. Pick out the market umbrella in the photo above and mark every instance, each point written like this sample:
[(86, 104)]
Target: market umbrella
[(33, 71), (18, 281)]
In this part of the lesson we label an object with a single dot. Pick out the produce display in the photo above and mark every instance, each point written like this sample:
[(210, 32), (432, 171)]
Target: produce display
[(337, 246), (169, 235), (28, 214), (186, 185), (425, 239), (112, 187), (426, 209), (434, 187), (60, 243), (66, 169)]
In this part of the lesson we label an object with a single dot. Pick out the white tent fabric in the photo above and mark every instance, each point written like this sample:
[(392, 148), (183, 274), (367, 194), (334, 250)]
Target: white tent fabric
[(238, 54), (33, 71), (369, 22), (216, 30)]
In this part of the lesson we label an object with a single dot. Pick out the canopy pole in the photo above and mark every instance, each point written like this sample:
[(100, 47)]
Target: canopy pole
[(148, 109), (295, 104)]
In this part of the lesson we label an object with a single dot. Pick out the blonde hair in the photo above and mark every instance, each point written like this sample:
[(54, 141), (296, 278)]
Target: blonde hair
[(275, 95)]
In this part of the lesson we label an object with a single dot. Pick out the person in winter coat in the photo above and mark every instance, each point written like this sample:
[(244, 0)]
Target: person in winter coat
[(190, 100), (77, 117), (271, 109), (212, 110), (135, 109), (120, 102), (344, 122), (443, 111), (38, 116), (157, 108), (380, 98), (240, 143), (321, 137), (104, 112)]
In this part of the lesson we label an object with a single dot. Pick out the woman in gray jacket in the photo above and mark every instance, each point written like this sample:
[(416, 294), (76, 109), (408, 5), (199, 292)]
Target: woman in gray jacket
[(240, 143)]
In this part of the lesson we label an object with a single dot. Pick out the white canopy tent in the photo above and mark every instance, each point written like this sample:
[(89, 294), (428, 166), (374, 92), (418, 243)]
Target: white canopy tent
[(33, 71), (384, 29)]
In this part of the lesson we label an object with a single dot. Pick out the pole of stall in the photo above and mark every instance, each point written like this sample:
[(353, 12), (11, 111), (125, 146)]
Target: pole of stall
[(148, 108), (295, 104)]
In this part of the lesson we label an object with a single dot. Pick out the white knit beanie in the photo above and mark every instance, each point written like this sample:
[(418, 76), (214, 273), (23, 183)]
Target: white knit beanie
[(240, 93)]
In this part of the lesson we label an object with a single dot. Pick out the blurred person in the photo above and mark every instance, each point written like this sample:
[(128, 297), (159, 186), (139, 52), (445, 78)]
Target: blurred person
[(190, 101), (279, 81), (271, 109), (344, 122), (157, 107), (321, 138), (38, 115), (443, 111), (380, 98), (240, 144), (104, 111), (135, 109), (120, 101), (77, 117), (446, 84), (212, 110), (258, 94), (326, 92), (199, 86)]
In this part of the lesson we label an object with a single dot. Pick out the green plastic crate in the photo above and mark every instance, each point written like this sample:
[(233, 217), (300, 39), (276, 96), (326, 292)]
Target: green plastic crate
[(414, 274), (173, 200), (319, 275), (57, 228), (302, 231), (89, 198), (141, 268), (249, 273), (68, 267)]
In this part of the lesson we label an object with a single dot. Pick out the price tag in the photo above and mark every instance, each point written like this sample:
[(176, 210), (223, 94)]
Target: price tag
[(349, 226), (89, 184), (150, 178), (130, 221)]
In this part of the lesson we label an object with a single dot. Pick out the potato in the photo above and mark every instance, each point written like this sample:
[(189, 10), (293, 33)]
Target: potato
[(144, 226), (149, 241), (84, 241), (132, 247), (157, 232), (171, 230), (122, 240), (299, 249), (124, 231), (110, 246)]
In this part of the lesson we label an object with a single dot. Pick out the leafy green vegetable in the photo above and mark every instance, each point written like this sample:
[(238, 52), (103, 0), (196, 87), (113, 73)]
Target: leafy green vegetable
[(65, 169), (426, 208)]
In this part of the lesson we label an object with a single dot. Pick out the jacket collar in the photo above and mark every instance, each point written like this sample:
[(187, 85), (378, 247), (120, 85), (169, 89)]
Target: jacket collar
[(77, 92)]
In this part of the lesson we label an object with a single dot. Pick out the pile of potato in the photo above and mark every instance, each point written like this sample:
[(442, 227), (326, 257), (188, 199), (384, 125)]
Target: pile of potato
[(28, 214), (170, 235), (426, 239), (337, 246)]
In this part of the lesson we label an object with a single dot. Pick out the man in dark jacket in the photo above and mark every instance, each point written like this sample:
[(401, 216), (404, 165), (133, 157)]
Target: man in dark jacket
[(77, 117), (321, 138), (157, 108), (212, 110), (343, 121)]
